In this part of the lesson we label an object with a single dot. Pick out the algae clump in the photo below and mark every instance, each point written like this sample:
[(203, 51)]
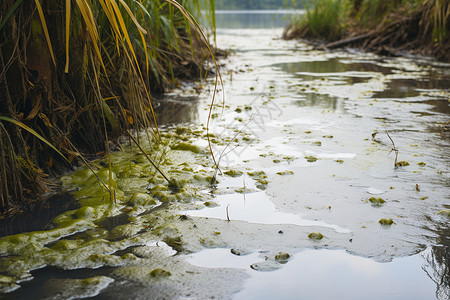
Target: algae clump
[(377, 201), (402, 163), (310, 158), (282, 257), (315, 236), (386, 222), (285, 173), (444, 212), (141, 199), (160, 273), (186, 147), (233, 173)]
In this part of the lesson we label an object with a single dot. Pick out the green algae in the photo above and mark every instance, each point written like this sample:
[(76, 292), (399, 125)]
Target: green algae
[(210, 204), (340, 161), (282, 257), (160, 273), (8, 284), (262, 184), (186, 147), (311, 158), (257, 174), (176, 243), (444, 212), (233, 173), (402, 163), (386, 222), (141, 199), (315, 236), (284, 173), (376, 201)]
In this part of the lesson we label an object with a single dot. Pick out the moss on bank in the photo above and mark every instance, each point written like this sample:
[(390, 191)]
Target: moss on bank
[(384, 27)]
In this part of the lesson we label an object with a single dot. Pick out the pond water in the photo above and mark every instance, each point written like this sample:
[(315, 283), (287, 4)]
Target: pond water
[(309, 203)]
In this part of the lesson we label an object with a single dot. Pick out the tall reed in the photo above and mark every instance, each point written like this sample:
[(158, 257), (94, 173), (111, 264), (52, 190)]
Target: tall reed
[(80, 72)]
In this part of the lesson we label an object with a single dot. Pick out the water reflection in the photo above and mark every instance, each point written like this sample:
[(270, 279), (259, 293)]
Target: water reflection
[(437, 267), (333, 65), (173, 109), (253, 18), (38, 217), (320, 100), (327, 274), (404, 88)]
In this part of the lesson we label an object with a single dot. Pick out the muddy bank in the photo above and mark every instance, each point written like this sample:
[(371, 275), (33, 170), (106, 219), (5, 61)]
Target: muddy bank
[(385, 29)]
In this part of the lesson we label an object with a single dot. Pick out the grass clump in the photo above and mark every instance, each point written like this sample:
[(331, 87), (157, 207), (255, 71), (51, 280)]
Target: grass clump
[(385, 27), (324, 19)]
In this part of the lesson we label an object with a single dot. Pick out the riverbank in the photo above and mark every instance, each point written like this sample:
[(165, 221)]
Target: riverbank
[(400, 28), (305, 161), (73, 80)]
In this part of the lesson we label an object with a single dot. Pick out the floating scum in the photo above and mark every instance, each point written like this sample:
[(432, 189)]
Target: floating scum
[(79, 73)]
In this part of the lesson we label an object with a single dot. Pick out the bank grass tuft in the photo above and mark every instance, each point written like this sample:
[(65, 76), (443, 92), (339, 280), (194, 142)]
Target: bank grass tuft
[(385, 27)]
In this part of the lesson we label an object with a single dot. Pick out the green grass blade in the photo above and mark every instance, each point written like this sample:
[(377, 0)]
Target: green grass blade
[(20, 124), (10, 12), (44, 26)]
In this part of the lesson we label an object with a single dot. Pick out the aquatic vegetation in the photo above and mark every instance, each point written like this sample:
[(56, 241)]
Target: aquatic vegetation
[(160, 273), (233, 173), (386, 27), (386, 222), (444, 212), (315, 236), (282, 257), (402, 163), (311, 158), (376, 201), (186, 147), (284, 173)]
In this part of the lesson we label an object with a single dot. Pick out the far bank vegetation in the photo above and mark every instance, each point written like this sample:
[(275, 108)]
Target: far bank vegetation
[(386, 27)]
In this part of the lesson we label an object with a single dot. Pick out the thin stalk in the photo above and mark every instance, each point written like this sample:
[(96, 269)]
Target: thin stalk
[(148, 158)]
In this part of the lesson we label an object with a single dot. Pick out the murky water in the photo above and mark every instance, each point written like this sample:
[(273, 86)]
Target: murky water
[(307, 142)]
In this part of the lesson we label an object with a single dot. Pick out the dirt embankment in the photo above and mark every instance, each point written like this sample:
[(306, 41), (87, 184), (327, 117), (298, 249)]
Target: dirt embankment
[(423, 31)]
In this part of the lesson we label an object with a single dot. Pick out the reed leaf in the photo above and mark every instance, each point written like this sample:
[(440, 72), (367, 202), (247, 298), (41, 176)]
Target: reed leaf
[(20, 124), (218, 78), (44, 26), (68, 7), (10, 12), (88, 18)]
